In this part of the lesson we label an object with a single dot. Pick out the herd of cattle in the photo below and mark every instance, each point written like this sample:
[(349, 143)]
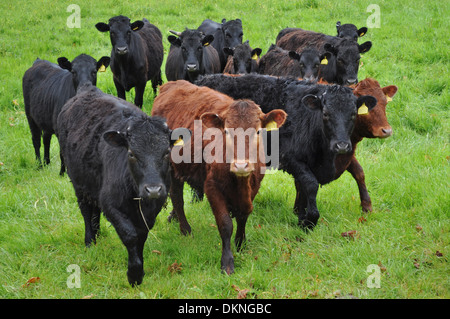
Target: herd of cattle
[(305, 88)]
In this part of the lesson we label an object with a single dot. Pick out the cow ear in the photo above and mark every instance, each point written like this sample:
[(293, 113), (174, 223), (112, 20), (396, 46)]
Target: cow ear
[(210, 119), (390, 91), (174, 40), (228, 51), (330, 48), (361, 32), (64, 63), (256, 53), (103, 63), (338, 24), (294, 55), (137, 25), (102, 27), (273, 120), (363, 48), (365, 103), (207, 40), (116, 139), (312, 102)]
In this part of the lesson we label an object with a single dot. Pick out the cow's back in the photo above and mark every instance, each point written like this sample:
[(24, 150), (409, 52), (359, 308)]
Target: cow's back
[(299, 39), (152, 39)]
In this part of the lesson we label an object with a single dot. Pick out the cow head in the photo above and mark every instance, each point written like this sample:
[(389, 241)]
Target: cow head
[(349, 31), (84, 68), (241, 128), (147, 144), (244, 58), (120, 31), (310, 62), (192, 44), (339, 107), (374, 124), (346, 58), (232, 33)]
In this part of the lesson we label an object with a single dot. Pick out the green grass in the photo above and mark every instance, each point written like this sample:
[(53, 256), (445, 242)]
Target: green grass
[(42, 231)]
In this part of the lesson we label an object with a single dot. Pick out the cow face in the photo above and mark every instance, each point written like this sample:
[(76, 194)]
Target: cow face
[(349, 31), (120, 31), (347, 54), (232, 33), (310, 63), (147, 144), (339, 108), (84, 68), (374, 124), (241, 128), (244, 58), (191, 43)]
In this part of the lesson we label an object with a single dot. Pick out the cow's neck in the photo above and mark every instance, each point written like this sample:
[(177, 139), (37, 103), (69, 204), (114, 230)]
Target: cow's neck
[(244, 194)]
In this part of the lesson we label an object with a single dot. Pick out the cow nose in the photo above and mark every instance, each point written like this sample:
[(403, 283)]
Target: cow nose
[(121, 50), (342, 148), (241, 168), (191, 67), (352, 81), (153, 191), (387, 132), (310, 78)]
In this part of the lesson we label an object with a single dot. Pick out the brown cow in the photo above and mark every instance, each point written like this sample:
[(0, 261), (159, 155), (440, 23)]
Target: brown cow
[(374, 124), (230, 184)]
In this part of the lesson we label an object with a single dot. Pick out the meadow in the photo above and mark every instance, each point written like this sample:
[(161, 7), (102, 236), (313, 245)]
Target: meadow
[(400, 250)]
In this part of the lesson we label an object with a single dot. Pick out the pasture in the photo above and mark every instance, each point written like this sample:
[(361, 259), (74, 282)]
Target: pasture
[(400, 250)]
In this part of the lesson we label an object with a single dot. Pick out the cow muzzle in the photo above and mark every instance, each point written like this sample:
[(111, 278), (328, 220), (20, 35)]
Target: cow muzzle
[(241, 168), (153, 191), (342, 148), (191, 67), (352, 81), (121, 50)]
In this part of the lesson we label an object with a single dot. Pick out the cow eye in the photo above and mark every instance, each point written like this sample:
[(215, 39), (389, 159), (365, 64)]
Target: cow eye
[(183, 49), (131, 155), (340, 61), (326, 117), (199, 48), (302, 65), (228, 35), (316, 66)]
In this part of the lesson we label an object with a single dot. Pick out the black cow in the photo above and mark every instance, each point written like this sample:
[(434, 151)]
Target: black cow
[(306, 65), (349, 31), (227, 34), (118, 161), (342, 67), (318, 127), (191, 54), (242, 59), (46, 87), (136, 56)]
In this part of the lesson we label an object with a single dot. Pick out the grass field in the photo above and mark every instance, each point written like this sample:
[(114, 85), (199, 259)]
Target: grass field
[(407, 235)]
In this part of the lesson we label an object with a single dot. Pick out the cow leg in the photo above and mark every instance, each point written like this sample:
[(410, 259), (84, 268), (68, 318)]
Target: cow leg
[(309, 187), (300, 204), (225, 226), (47, 138), (358, 174), (156, 81), (87, 210), (120, 89), (241, 221), (133, 241), (63, 165), (176, 195), (36, 134), (139, 97)]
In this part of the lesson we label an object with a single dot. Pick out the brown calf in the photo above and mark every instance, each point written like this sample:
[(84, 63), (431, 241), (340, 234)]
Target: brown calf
[(374, 124), (230, 184)]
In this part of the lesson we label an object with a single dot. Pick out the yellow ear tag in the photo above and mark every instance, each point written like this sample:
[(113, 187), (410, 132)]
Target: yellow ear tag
[(362, 34), (179, 142), (271, 126), (388, 98), (363, 109), (102, 68), (324, 61), (206, 44), (135, 28), (255, 57)]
